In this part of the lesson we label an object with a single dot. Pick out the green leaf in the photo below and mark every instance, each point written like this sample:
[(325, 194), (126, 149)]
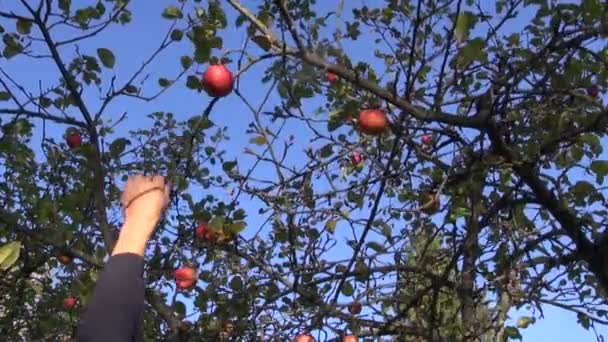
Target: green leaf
[(599, 167), (327, 150), (172, 12), (179, 308), (64, 5), (106, 57), (9, 253), (375, 246), (131, 89), (583, 320), (236, 228), (117, 147), (513, 333), (177, 35), (239, 214), (192, 82), (464, 22), (24, 26), (475, 50), (228, 166), (524, 322), (331, 225), (236, 283), (4, 96), (348, 289), (186, 62), (163, 82), (259, 140)]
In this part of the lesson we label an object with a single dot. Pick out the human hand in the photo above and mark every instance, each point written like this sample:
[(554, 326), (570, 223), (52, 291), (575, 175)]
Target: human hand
[(143, 199)]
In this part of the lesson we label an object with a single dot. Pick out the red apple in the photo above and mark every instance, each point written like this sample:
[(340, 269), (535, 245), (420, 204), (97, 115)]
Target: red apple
[(204, 232), (304, 338), (593, 91), (65, 258), (372, 121), (350, 338), (331, 77), (185, 277), (69, 302), (427, 139), (217, 81), (73, 140), (354, 308), (356, 158)]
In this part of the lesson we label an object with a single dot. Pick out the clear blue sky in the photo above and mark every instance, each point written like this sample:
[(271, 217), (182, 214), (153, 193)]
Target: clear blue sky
[(133, 44)]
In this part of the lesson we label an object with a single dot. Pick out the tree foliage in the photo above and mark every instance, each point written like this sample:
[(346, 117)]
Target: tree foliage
[(484, 195)]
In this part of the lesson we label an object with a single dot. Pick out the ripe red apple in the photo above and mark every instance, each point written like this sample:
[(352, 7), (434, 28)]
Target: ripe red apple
[(356, 158), (304, 338), (185, 277), (73, 140), (65, 258), (218, 81), (69, 302), (331, 77), (354, 308), (350, 338), (427, 139), (593, 91), (372, 121), (204, 232)]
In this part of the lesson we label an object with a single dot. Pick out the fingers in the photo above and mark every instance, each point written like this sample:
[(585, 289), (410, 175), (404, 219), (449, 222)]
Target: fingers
[(138, 184)]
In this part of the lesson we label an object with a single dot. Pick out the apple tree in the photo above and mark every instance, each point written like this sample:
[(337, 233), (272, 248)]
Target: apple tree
[(412, 170)]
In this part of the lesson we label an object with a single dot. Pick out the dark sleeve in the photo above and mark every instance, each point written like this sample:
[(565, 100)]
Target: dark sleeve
[(116, 308)]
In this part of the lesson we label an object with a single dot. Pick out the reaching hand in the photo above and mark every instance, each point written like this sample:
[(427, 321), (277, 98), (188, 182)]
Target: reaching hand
[(144, 198)]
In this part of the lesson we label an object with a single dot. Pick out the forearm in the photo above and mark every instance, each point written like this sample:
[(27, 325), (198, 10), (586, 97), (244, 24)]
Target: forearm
[(134, 236)]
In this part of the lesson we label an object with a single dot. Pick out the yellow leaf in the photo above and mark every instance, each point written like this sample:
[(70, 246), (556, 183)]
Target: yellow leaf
[(9, 254), (331, 226)]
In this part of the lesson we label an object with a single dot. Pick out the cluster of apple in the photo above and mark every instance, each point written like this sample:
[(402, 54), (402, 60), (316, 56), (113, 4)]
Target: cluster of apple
[(371, 121), (354, 308), (185, 276), (65, 258)]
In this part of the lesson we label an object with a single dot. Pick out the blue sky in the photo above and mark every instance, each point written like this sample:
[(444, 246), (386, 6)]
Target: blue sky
[(134, 43)]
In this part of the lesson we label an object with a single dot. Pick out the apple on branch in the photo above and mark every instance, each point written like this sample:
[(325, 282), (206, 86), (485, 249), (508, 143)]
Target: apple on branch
[(73, 139), (350, 338), (69, 303), (427, 139), (185, 277), (204, 232), (304, 338), (217, 81), (331, 77), (65, 258), (372, 121), (356, 158), (355, 308)]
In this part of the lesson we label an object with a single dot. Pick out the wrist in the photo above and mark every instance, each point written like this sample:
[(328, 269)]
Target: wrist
[(133, 237)]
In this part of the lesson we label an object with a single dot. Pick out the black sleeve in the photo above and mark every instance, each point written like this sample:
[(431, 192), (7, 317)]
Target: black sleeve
[(116, 308)]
